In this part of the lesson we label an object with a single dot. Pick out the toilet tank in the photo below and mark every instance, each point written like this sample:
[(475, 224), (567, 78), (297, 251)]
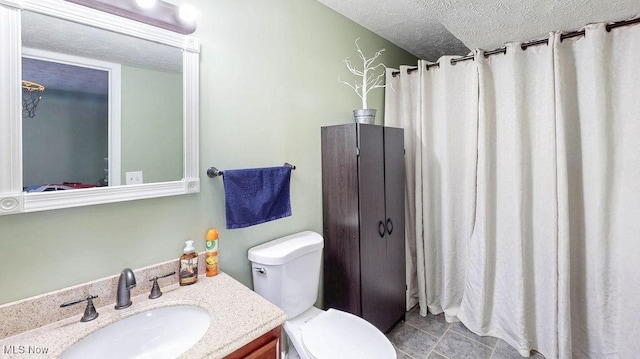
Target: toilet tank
[(286, 271)]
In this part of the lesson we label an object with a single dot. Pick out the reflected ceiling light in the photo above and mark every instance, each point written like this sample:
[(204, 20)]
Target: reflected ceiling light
[(146, 4), (187, 13)]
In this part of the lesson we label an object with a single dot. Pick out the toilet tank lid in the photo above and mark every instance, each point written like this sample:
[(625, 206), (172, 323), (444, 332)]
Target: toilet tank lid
[(285, 249)]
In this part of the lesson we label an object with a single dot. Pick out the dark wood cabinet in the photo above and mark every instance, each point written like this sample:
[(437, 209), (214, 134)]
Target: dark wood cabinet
[(266, 346), (363, 220)]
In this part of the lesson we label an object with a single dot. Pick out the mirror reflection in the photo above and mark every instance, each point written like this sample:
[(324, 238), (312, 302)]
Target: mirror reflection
[(111, 112), (65, 136)]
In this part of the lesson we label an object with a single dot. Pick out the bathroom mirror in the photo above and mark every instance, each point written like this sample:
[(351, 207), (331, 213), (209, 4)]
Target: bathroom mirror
[(117, 120)]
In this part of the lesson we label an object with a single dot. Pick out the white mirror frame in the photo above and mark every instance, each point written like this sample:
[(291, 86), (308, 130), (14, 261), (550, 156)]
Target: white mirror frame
[(12, 198)]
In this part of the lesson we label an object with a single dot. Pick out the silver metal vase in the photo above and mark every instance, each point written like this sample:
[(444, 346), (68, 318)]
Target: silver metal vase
[(365, 115)]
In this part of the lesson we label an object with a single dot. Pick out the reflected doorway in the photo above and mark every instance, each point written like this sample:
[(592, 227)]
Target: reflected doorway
[(66, 142)]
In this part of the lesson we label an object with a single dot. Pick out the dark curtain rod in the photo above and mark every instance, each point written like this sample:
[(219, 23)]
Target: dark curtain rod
[(524, 46)]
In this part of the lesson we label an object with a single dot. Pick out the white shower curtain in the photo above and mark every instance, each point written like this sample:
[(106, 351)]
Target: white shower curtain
[(598, 106), (405, 92), (511, 285), (441, 140), (449, 152), (527, 209)]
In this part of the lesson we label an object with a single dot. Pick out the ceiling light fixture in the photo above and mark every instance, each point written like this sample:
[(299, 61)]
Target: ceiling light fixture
[(153, 12), (187, 13), (146, 4)]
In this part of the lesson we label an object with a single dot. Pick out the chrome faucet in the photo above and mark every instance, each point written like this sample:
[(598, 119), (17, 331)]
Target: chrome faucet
[(125, 283)]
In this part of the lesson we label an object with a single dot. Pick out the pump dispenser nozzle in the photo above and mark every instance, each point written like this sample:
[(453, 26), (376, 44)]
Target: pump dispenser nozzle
[(188, 248)]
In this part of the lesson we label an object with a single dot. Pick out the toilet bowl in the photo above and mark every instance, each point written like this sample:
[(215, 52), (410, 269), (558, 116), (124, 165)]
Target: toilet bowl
[(286, 271)]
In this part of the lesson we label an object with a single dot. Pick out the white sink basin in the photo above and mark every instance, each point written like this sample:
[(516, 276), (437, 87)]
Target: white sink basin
[(157, 333)]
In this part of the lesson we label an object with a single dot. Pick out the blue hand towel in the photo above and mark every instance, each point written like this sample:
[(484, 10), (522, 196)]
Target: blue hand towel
[(257, 195)]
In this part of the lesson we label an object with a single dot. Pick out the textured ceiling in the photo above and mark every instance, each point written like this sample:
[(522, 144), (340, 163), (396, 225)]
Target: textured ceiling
[(431, 28), (55, 35)]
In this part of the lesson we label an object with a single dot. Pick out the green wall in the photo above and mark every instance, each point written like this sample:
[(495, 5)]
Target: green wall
[(269, 81), (151, 124)]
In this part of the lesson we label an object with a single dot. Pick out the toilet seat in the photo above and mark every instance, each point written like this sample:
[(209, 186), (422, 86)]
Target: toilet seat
[(335, 334)]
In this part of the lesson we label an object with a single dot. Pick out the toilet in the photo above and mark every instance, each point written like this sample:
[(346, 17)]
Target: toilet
[(286, 271)]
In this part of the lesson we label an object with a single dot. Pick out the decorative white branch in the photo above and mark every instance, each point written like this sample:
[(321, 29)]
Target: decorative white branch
[(370, 80)]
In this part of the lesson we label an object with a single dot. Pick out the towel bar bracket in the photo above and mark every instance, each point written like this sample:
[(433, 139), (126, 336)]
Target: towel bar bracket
[(213, 172)]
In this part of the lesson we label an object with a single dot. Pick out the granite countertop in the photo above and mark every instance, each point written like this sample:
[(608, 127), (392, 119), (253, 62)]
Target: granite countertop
[(238, 316)]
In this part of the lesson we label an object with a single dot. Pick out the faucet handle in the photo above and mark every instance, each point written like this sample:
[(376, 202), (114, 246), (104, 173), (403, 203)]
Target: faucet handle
[(155, 289), (163, 276), (90, 312)]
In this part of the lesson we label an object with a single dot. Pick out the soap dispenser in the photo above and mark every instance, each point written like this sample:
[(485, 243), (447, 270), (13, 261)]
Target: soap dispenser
[(188, 265)]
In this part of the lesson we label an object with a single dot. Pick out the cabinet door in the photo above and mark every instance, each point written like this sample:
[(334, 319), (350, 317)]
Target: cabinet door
[(395, 278), (373, 259), (267, 351), (340, 218), (266, 346)]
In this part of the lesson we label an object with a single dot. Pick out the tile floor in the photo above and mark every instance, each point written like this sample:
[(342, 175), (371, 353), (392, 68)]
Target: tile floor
[(433, 338)]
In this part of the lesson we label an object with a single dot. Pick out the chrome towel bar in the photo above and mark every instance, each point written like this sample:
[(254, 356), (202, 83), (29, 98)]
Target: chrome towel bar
[(213, 172)]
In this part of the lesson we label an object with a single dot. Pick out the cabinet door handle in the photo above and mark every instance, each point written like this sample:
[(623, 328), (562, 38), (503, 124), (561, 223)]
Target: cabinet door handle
[(389, 226), (381, 229)]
